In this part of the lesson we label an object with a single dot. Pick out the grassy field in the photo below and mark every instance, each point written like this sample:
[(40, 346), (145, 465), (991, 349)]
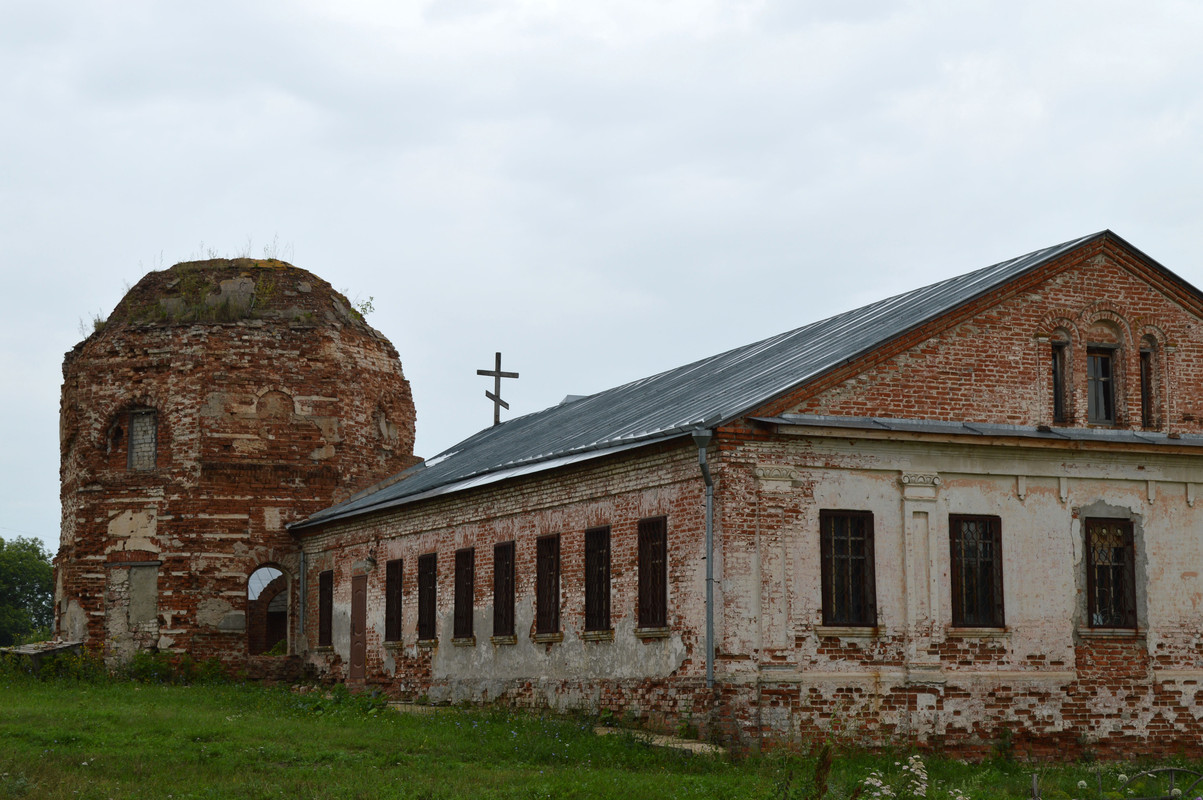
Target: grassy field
[(106, 738)]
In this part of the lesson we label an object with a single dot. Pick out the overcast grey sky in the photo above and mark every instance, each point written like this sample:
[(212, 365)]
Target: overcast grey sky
[(600, 190)]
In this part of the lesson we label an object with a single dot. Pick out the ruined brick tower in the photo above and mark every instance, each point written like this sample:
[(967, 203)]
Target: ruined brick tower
[(220, 401)]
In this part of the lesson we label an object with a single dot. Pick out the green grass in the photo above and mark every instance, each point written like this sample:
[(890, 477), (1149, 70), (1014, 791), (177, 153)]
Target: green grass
[(108, 738)]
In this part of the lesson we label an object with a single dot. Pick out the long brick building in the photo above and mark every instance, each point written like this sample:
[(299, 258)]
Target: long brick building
[(963, 515)]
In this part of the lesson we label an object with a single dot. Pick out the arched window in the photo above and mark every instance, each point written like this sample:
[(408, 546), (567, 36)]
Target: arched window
[(267, 610), (1061, 377), (134, 438), (143, 439), (1148, 382), (1103, 359)]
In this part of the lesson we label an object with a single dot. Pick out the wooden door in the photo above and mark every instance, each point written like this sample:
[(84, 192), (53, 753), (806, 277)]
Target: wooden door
[(359, 613)]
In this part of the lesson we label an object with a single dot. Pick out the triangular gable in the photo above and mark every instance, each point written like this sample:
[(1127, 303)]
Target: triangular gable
[(983, 339)]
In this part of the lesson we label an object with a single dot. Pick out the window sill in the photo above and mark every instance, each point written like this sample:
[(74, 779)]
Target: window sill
[(324, 648), (464, 641), (393, 644), (979, 633), (653, 633), (548, 638), (428, 644), (1111, 633), (847, 631), (511, 639), (598, 636)]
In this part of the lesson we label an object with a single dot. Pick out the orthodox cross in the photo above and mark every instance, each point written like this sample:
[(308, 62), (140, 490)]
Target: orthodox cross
[(496, 374)]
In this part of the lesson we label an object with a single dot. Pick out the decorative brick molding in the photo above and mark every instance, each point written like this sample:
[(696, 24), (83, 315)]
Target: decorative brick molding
[(776, 478)]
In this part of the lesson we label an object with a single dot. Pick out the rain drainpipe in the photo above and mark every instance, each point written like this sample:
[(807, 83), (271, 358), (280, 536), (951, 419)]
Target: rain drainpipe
[(702, 437), (301, 606)]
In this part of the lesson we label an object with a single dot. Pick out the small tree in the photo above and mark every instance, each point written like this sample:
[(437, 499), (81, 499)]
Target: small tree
[(26, 589)]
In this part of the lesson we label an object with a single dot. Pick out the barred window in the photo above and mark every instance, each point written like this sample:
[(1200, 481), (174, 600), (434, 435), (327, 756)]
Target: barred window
[(325, 608), (1110, 573), (393, 571), (597, 579), (465, 579), (547, 584), (977, 577), (503, 589), (428, 566), (849, 589), (143, 440), (653, 572)]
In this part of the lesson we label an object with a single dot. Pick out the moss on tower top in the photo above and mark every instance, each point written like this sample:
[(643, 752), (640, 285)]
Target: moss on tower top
[(228, 290)]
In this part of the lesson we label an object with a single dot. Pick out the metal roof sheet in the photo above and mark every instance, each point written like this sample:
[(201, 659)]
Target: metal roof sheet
[(703, 393)]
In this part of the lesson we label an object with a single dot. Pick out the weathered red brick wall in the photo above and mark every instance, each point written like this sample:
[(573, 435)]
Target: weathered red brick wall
[(661, 679), (273, 399), (1046, 684)]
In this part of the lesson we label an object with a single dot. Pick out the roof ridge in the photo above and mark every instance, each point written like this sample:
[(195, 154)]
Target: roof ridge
[(712, 390)]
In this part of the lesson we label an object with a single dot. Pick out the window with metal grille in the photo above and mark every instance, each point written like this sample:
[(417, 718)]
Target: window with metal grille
[(503, 589), (393, 571), (465, 579), (1110, 573), (547, 584), (597, 579), (428, 572), (653, 572), (1100, 386), (1060, 381), (325, 608), (849, 588), (977, 577), (143, 440)]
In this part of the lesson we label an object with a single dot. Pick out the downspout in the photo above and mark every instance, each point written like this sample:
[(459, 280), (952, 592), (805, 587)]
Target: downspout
[(702, 437), (301, 608)]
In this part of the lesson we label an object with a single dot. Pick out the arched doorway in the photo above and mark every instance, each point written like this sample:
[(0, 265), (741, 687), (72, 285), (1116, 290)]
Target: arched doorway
[(266, 610)]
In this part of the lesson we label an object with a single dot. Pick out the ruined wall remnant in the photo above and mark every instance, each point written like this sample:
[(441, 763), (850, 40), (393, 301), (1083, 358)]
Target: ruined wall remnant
[(220, 401)]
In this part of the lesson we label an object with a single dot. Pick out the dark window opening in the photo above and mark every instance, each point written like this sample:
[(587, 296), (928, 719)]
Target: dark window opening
[(977, 578), (653, 573), (325, 608), (143, 437), (465, 579), (1110, 573), (849, 589), (503, 589), (1100, 386), (1060, 381), (393, 571), (428, 573), (1147, 419), (547, 584), (597, 579)]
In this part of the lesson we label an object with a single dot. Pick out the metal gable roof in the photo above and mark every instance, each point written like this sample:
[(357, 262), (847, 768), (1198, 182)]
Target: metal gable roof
[(672, 403)]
